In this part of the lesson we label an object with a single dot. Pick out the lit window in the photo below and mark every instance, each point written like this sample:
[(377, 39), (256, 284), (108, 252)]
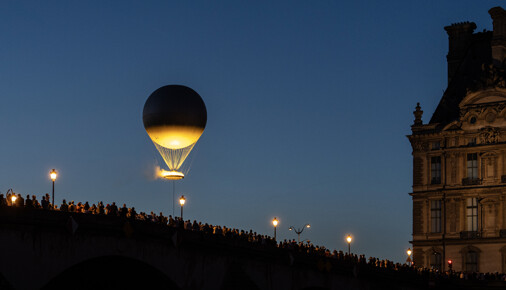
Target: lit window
[(435, 170), (472, 214), (435, 216), (472, 166)]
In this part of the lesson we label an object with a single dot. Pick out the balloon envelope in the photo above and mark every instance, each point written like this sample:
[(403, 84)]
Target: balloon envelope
[(174, 116)]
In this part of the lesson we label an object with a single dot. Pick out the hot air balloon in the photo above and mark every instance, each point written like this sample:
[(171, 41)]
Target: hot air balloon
[(174, 117)]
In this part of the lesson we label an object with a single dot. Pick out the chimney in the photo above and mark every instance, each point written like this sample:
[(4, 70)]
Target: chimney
[(459, 38), (499, 37)]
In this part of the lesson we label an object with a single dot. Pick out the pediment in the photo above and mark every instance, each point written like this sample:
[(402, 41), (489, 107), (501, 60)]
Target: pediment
[(484, 97), (453, 126)]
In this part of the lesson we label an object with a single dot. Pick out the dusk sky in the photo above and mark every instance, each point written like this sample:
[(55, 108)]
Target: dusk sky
[(308, 102)]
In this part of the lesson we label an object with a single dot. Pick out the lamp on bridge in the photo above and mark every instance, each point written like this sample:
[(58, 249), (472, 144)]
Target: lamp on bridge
[(348, 240), (53, 176), (182, 200), (299, 231), (275, 224)]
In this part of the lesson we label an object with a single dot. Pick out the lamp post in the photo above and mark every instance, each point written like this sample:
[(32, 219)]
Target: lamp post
[(53, 176), (13, 199), (348, 240), (275, 224), (408, 260), (182, 200), (299, 231)]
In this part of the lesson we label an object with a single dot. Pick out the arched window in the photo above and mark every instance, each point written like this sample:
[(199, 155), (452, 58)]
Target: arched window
[(435, 261), (472, 261)]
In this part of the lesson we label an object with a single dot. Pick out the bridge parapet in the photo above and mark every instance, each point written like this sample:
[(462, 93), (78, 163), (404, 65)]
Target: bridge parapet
[(51, 245)]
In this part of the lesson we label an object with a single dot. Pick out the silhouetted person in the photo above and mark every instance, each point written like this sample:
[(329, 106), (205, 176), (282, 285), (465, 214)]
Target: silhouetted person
[(133, 213), (35, 202), (72, 207), (48, 199), (123, 211), (113, 209), (64, 206), (44, 203), (101, 209), (28, 202), (9, 199), (3, 201), (20, 201)]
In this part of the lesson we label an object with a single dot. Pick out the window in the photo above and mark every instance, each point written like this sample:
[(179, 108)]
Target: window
[(436, 145), (435, 261), (435, 170), (472, 166), (472, 261), (435, 216), (472, 214), (472, 141)]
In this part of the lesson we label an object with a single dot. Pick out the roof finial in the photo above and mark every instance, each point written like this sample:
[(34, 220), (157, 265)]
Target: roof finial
[(418, 115)]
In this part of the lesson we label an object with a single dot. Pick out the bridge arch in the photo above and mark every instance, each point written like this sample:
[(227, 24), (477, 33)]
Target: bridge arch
[(111, 272), (236, 278)]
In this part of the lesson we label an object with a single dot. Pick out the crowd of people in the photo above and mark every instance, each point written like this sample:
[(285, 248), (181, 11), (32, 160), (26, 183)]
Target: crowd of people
[(248, 238)]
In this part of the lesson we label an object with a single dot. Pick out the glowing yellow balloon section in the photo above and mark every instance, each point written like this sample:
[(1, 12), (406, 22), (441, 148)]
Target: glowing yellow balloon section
[(175, 137)]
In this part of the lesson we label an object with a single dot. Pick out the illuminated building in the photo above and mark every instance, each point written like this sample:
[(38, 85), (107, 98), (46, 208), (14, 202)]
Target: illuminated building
[(459, 157)]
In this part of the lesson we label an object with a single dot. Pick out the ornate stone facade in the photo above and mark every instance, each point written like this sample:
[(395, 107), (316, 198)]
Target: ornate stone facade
[(459, 157)]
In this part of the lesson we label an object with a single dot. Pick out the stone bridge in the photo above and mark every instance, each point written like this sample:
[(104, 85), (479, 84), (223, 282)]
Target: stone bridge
[(43, 249)]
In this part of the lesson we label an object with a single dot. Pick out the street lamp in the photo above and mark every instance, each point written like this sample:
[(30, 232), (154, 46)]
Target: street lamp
[(348, 239), (13, 199), (182, 200), (409, 252), (53, 176), (275, 224), (299, 231)]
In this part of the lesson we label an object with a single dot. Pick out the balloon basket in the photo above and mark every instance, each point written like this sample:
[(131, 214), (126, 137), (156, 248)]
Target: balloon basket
[(172, 175)]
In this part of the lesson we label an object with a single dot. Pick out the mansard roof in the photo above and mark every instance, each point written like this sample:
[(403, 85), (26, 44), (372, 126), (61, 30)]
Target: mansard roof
[(468, 76)]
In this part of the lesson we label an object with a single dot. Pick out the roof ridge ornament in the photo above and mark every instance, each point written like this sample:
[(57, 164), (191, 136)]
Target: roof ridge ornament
[(418, 115)]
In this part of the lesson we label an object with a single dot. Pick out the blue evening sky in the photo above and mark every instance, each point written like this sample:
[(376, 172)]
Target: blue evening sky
[(308, 106)]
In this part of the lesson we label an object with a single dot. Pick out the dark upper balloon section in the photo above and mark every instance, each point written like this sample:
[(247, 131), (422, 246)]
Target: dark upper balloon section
[(174, 105)]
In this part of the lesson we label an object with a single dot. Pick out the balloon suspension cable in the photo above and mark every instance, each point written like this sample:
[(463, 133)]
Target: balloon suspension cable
[(173, 195), (190, 158), (174, 158)]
